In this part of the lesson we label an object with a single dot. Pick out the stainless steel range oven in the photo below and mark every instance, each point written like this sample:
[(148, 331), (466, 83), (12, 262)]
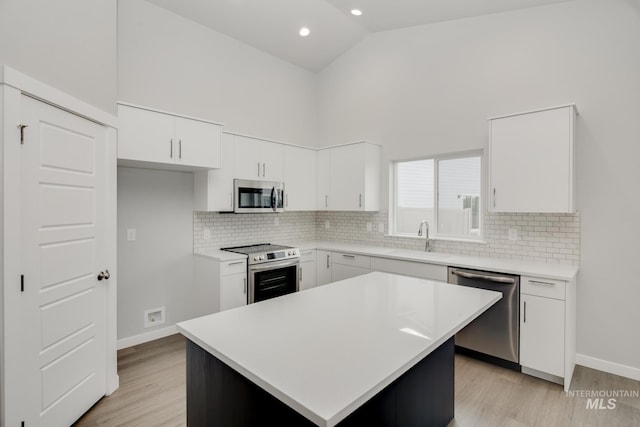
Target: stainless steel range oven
[(272, 270)]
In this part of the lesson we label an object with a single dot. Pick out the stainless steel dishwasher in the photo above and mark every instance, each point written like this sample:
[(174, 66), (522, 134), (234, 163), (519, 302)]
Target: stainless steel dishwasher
[(496, 333)]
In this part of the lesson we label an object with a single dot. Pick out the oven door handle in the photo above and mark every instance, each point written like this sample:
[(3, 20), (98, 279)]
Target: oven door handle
[(498, 279), (273, 265)]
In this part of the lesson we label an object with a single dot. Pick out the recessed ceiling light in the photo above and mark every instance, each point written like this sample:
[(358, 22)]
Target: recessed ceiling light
[(304, 31), (356, 12)]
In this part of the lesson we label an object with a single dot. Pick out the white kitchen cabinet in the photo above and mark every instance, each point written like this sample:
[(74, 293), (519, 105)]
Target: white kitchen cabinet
[(547, 328), (233, 284), (164, 140), (347, 265), (307, 269), (354, 178), (213, 189), (257, 159), (299, 178), (323, 267), (531, 161), (410, 268), (323, 181)]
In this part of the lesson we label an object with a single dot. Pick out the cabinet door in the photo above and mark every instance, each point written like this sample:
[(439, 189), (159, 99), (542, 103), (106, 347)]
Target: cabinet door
[(257, 159), (213, 189), (347, 178), (145, 135), (531, 162), (307, 275), (542, 334), (233, 291), (299, 178), (341, 271), (272, 157), (247, 158), (198, 143), (323, 267), (323, 184)]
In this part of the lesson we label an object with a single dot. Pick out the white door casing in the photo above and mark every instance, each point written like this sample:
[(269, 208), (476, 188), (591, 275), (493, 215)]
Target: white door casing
[(64, 247)]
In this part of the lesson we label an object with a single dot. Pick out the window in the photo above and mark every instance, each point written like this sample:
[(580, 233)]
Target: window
[(443, 190)]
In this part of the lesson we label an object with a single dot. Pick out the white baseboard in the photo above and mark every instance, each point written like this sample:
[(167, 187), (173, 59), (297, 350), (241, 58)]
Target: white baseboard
[(607, 366), (146, 337)]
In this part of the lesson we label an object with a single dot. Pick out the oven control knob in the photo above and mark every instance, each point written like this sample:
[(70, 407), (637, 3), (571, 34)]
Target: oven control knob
[(262, 257), (256, 258)]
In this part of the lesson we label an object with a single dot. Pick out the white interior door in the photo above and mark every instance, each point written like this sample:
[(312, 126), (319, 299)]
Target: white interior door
[(63, 189)]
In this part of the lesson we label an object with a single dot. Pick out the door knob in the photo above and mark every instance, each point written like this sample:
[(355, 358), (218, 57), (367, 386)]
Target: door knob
[(104, 275)]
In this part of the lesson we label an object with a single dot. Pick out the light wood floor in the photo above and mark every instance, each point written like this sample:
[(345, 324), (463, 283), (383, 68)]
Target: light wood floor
[(152, 393)]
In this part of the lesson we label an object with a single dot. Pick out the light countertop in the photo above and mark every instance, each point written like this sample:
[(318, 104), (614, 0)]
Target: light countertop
[(549, 271), (220, 255), (326, 351)]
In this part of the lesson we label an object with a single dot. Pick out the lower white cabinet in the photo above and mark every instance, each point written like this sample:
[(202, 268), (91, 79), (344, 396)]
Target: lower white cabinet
[(323, 267), (233, 284), (410, 268), (307, 269), (547, 328), (346, 265)]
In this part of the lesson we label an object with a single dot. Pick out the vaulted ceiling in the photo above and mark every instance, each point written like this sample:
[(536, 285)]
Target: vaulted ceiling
[(273, 25)]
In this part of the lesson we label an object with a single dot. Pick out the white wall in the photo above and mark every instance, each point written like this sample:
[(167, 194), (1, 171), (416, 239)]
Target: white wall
[(430, 89), (170, 63), (69, 44), (157, 269)]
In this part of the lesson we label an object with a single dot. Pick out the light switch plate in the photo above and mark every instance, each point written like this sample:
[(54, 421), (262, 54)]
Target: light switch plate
[(131, 234), (513, 234), (326, 225), (206, 234), (381, 227), (369, 227), (276, 221)]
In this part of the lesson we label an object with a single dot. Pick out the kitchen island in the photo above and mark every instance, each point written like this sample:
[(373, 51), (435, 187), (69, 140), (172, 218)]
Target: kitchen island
[(375, 349)]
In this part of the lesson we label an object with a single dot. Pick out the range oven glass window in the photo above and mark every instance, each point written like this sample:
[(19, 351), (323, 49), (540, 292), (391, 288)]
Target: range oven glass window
[(274, 283), (254, 197)]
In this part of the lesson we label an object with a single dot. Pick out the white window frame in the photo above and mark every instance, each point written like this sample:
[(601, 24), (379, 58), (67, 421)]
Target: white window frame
[(433, 228)]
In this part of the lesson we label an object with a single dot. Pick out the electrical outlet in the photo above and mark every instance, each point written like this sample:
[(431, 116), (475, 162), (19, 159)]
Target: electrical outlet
[(369, 227), (154, 317), (206, 234), (131, 234), (513, 234), (381, 227), (327, 224)]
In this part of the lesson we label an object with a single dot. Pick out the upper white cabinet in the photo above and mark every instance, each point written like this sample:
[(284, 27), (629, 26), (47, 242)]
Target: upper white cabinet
[(299, 178), (354, 178), (532, 161), (323, 184), (257, 159), (166, 140), (213, 189)]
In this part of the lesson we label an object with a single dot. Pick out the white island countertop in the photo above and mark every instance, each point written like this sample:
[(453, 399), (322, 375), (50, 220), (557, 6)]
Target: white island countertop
[(327, 350)]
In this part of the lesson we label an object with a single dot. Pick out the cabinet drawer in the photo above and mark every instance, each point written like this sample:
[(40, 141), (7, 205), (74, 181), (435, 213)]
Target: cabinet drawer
[(308, 255), (233, 267), (410, 268), (543, 287), (353, 260)]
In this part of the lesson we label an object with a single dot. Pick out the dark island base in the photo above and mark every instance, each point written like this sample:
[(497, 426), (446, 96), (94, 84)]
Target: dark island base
[(217, 395)]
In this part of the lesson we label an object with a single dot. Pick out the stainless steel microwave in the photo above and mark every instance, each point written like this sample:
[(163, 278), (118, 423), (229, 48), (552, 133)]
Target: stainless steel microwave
[(258, 196)]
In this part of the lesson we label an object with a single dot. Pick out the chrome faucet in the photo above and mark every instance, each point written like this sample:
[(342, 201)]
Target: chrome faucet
[(427, 246)]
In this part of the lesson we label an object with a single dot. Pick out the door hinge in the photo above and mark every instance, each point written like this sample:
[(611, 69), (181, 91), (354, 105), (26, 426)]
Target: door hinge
[(21, 127), (22, 283)]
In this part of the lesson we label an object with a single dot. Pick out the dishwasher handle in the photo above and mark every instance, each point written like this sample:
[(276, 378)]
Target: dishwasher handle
[(498, 279)]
